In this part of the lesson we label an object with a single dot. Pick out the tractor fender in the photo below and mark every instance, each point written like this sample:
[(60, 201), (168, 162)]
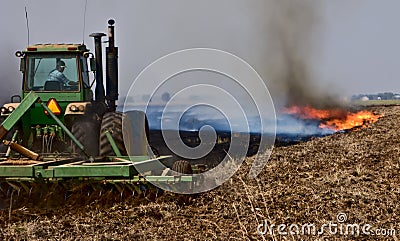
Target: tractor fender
[(76, 108), (91, 111)]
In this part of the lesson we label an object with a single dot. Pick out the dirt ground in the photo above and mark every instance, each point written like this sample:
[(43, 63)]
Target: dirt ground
[(330, 183)]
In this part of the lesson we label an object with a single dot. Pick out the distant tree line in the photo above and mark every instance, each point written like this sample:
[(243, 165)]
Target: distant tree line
[(379, 96)]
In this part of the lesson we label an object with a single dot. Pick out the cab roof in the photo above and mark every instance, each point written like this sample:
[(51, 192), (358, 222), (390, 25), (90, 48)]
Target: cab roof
[(56, 47)]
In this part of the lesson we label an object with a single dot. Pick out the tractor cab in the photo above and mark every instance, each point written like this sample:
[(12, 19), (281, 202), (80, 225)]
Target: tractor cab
[(59, 76), (56, 70)]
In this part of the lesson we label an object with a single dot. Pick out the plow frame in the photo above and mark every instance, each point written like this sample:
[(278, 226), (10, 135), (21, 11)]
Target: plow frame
[(71, 174), (109, 169)]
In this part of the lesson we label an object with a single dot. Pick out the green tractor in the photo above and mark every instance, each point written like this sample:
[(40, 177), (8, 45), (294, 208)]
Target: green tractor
[(59, 75), (59, 137)]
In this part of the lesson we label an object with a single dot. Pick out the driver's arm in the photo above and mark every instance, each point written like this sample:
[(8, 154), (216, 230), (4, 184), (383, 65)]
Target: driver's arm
[(66, 81), (63, 79)]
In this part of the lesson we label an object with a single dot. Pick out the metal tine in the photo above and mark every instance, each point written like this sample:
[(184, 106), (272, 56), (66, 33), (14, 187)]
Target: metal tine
[(78, 187), (110, 191), (89, 189), (94, 186), (122, 191), (143, 188), (66, 196), (125, 189), (9, 189), (159, 192), (121, 195), (131, 189), (25, 187), (98, 188), (119, 188), (54, 186), (50, 190), (15, 187), (101, 189), (137, 189), (35, 186), (30, 191)]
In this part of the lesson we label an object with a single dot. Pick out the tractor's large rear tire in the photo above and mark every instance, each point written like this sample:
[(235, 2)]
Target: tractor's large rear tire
[(112, 122), (87, 133)]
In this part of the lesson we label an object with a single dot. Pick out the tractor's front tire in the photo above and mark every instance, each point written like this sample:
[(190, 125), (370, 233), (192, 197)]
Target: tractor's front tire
[(112, 122), (87, 133)]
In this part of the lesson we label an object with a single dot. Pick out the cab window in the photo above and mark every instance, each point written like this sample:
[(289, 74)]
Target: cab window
[(42, 73)]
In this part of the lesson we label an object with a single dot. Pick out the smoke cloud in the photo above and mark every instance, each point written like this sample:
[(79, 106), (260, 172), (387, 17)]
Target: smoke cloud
[(294, 32), (290, 37)]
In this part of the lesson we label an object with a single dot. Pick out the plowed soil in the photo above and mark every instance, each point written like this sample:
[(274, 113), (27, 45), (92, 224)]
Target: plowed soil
[(345, 178)]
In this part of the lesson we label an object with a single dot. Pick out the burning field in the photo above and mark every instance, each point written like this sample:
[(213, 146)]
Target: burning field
[(334, 119), (349, 177)]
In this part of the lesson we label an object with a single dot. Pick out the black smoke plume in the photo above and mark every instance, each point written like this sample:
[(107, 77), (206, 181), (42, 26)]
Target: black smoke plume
[(294, 43)]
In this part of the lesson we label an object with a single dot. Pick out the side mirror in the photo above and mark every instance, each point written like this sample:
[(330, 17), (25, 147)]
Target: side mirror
[(92, 62), (22, 65)]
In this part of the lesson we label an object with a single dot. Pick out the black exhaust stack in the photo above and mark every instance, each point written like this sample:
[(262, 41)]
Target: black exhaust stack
[(112, 69), (99, 91)]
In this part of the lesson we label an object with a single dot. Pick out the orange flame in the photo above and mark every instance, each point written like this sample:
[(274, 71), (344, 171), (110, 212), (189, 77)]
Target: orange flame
[(334, 119)]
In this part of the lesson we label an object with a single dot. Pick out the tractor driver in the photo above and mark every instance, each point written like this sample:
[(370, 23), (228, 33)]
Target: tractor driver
[(57, 75)]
